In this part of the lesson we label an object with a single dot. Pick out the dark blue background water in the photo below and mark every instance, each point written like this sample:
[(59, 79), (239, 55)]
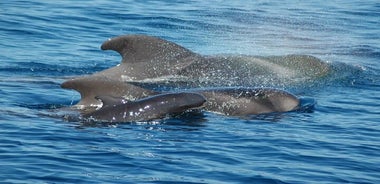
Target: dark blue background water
[(42, 43)]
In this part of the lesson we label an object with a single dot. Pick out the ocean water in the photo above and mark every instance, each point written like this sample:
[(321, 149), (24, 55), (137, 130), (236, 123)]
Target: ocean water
[(43, 43)]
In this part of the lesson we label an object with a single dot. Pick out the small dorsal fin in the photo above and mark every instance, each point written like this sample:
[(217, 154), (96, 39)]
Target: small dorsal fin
[(91, 86), (141, 48)]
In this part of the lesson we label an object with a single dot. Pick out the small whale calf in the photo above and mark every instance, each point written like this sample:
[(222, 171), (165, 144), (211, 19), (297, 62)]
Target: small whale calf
[(153, 107), (118, 94)]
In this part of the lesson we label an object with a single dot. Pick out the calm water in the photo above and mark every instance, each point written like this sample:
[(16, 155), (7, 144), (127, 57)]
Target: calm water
[(42, 43)]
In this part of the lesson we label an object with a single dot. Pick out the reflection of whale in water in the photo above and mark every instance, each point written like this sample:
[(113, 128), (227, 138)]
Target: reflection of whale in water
[(150, 59)]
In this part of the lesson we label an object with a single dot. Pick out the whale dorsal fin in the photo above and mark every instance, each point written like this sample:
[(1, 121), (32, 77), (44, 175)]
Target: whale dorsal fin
[(147, 57), (91, 86)]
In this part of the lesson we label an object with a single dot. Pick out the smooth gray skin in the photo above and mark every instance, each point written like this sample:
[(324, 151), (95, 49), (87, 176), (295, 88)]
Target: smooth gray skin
[(247, 101), (154, 107)]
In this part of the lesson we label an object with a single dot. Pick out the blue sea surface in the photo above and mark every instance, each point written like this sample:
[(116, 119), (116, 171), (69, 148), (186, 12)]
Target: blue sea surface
[(43, 43)]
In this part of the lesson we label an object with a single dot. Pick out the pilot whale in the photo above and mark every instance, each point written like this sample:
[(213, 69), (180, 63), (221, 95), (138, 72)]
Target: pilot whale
[(153, 107), (232, 101), (146, 58)]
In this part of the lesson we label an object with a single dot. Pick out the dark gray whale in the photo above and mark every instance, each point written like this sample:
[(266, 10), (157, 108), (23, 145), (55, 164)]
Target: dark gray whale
[(153, 107), (147, 59), (152, 59)]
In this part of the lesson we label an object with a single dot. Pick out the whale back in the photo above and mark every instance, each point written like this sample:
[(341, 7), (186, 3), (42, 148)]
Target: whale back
[(247, 101)]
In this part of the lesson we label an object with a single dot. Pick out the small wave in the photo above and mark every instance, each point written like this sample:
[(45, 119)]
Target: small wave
[(363, 50), (42, 69), (42, 106)]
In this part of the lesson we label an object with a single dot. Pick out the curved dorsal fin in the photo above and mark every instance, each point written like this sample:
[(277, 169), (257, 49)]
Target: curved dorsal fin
[(148, 57), (91, 86)]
